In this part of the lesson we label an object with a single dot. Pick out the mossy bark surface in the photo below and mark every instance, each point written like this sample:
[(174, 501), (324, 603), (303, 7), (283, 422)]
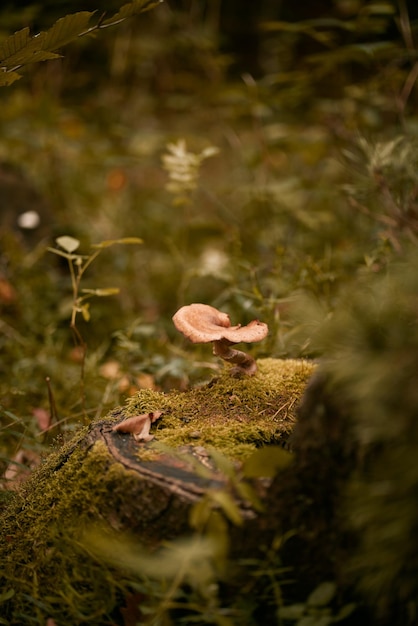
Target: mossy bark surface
[(105, 477)]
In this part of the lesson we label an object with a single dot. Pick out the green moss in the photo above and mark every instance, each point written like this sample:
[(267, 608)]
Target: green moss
[(234, 415), (44, 561)]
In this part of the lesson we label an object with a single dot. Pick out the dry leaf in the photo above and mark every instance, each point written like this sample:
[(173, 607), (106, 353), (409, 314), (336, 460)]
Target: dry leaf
[(138, 425), (7, 291)]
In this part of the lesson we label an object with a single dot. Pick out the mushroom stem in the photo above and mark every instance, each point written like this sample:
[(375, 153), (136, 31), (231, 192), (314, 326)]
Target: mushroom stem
[(244, 363)]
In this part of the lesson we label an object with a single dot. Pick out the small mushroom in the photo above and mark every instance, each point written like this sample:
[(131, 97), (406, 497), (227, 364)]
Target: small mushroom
[(202, 323), (138, 425)]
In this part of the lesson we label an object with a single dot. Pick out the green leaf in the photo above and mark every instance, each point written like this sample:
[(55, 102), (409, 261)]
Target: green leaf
[(109, 291), (344, 612), (69, 244), (111, 242), (67, 255), (322, 595), (31, 54), (13, 44), (292, 612), (85, 312), (266, 462), (247, 492), (200, 513), (8, 78), (166, 563), (131, 9), (223, 464), (228, 506), (66, 29), (22, 50), (6, 595)]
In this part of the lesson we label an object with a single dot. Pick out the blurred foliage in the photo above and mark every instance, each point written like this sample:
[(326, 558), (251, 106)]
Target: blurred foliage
[(362, 411), (312, 188)]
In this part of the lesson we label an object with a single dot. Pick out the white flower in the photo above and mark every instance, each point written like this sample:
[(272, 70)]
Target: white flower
[(183, 166)]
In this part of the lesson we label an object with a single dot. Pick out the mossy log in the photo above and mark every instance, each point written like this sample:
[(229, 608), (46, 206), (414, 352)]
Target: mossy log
[(147, 489)]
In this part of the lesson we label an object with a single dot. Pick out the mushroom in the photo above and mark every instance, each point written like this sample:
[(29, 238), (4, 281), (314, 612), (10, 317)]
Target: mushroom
[(138, 425), (202, 323)]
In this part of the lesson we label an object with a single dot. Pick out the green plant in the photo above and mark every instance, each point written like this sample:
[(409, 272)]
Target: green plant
[(317, 610), (78, 264), (386, 187)]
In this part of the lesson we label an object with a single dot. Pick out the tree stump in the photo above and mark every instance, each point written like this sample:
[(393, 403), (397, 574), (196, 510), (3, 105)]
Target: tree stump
[(148, 490)]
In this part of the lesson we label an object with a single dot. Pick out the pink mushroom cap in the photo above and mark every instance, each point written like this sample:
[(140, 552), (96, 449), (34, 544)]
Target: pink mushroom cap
[(202, 323)]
